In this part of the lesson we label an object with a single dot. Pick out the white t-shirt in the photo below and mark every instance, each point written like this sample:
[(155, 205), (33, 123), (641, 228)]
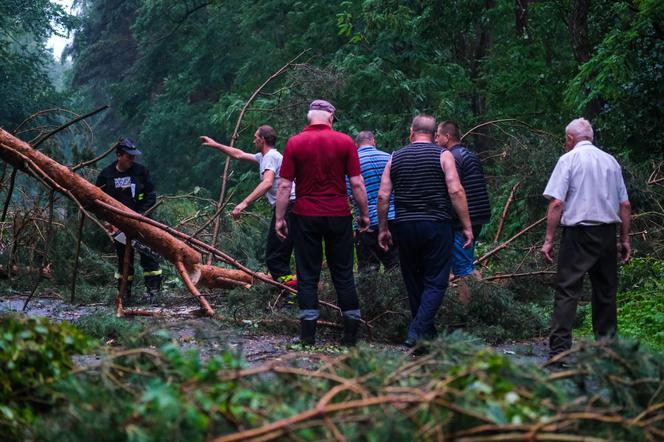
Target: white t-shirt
[(589, 182), (272, 161)]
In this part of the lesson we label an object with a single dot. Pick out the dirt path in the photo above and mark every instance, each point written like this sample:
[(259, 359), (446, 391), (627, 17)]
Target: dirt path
[(210, 337)]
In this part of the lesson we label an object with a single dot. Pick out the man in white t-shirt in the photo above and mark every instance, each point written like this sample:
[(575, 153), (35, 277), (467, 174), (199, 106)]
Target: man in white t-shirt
[(277, 252), (587, 196)]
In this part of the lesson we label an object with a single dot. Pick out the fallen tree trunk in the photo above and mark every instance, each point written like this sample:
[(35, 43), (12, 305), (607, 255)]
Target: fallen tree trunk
[(58, 177)]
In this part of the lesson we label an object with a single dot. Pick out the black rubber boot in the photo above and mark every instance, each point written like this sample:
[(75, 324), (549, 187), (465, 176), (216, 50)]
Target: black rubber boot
[(351, 326), (308, 332), (152, 288)]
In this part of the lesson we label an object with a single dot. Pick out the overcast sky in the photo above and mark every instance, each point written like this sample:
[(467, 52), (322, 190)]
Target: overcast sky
[(57, 43)]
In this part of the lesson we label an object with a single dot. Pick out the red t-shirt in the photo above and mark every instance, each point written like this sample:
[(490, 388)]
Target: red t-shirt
[(318, 160)]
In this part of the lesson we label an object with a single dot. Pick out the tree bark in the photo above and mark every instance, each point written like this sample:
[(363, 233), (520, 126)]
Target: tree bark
[(521, 18), (22, 156), (582, 46)]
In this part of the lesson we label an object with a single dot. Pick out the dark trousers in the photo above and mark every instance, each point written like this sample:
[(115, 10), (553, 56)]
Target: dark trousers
[(150, 265), (592, 250), (278, 253), (308, 234), (369, 253), (425, 251)]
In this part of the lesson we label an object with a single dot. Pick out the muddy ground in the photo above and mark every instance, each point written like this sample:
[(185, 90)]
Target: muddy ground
[(210, 336)]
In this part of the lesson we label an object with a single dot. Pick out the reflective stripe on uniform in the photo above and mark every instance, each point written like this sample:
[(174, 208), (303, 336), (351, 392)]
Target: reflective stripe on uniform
[(141, 196), (119, 276), (152, 273)]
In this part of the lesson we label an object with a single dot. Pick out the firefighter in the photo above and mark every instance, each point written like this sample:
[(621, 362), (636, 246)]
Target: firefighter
[(129, 183)]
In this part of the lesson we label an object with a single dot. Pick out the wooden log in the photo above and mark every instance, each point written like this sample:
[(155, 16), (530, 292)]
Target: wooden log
[(59, 177)]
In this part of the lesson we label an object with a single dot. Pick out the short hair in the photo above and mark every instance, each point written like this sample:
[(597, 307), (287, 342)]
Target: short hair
[(364, 136), (451, 129), (424, 124), (580, 128), (318, 115), (268, 134)]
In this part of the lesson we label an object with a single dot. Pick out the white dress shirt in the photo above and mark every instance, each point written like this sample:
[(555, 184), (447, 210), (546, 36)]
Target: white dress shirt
[(589, 182)]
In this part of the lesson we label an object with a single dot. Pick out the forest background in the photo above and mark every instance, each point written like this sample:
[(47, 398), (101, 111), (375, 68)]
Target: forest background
[(513, 73)]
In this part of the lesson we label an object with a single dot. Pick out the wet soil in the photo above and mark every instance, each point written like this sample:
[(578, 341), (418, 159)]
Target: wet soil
[(212, 336)]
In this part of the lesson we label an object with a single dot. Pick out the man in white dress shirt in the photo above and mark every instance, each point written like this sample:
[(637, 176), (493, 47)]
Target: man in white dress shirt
[(587, 196)]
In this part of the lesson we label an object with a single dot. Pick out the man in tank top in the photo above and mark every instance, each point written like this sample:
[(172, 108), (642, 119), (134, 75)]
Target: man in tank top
[(427, 192)]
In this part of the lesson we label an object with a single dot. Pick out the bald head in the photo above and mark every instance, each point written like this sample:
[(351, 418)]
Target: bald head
[(423, 127), (365, 138)]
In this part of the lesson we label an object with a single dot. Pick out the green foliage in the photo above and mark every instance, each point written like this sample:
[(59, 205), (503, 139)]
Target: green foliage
[(34, 352), (640, 302), (173, 395), (126, 332), (24, 59), (625, 73)]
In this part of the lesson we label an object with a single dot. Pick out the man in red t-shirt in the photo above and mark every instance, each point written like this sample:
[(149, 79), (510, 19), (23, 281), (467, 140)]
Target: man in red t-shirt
[(318, 159)]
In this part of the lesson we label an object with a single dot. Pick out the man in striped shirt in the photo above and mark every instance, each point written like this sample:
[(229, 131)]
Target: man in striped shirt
[(427, 197), (472, 179), (372, 165)]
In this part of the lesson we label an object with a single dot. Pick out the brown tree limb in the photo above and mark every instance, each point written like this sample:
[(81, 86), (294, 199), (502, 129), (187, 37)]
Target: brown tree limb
[(10, 191), (124, 281), (47, 248), (95, 159), (192, 288), (518, 275), (43, 138), (218, 253), (79, 239), (508, 242), (505, 209), (224, 178), (22, 156)]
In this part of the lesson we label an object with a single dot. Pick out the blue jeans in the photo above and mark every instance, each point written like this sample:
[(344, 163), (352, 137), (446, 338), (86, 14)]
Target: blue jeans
[(425, 252)]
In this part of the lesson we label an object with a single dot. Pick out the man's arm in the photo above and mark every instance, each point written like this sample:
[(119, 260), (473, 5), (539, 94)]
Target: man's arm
[(457, 195), (283, 195), (360, 197), (259, 191), (384, 192), (553, 215), (232, 152), (625, 219)]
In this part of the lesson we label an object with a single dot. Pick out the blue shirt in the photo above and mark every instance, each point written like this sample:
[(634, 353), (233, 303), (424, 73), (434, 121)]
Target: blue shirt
[(372, 165)]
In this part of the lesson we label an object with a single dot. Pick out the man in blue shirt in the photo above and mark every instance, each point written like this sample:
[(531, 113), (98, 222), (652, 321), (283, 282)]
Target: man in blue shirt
[(372, 165)]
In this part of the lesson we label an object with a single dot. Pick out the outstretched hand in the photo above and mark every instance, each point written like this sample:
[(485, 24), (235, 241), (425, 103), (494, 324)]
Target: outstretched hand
[(207, 141)]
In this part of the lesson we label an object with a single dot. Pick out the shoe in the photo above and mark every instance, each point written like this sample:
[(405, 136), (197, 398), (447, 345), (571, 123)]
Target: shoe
[(290, 298), (308, 332), (151, 296), (351, 326), (558, 365), (415, 346), (288, 280)]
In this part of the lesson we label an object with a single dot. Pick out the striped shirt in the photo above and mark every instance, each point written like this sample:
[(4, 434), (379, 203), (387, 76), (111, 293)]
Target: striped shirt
[(372, 165), (472, 179), (418, 181)]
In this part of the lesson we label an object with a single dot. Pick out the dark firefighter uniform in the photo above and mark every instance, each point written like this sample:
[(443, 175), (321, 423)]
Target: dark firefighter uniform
[(134, 189)]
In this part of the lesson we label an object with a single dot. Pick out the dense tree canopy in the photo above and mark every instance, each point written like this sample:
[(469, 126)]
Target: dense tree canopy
[(175, 70), (25, 62)]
